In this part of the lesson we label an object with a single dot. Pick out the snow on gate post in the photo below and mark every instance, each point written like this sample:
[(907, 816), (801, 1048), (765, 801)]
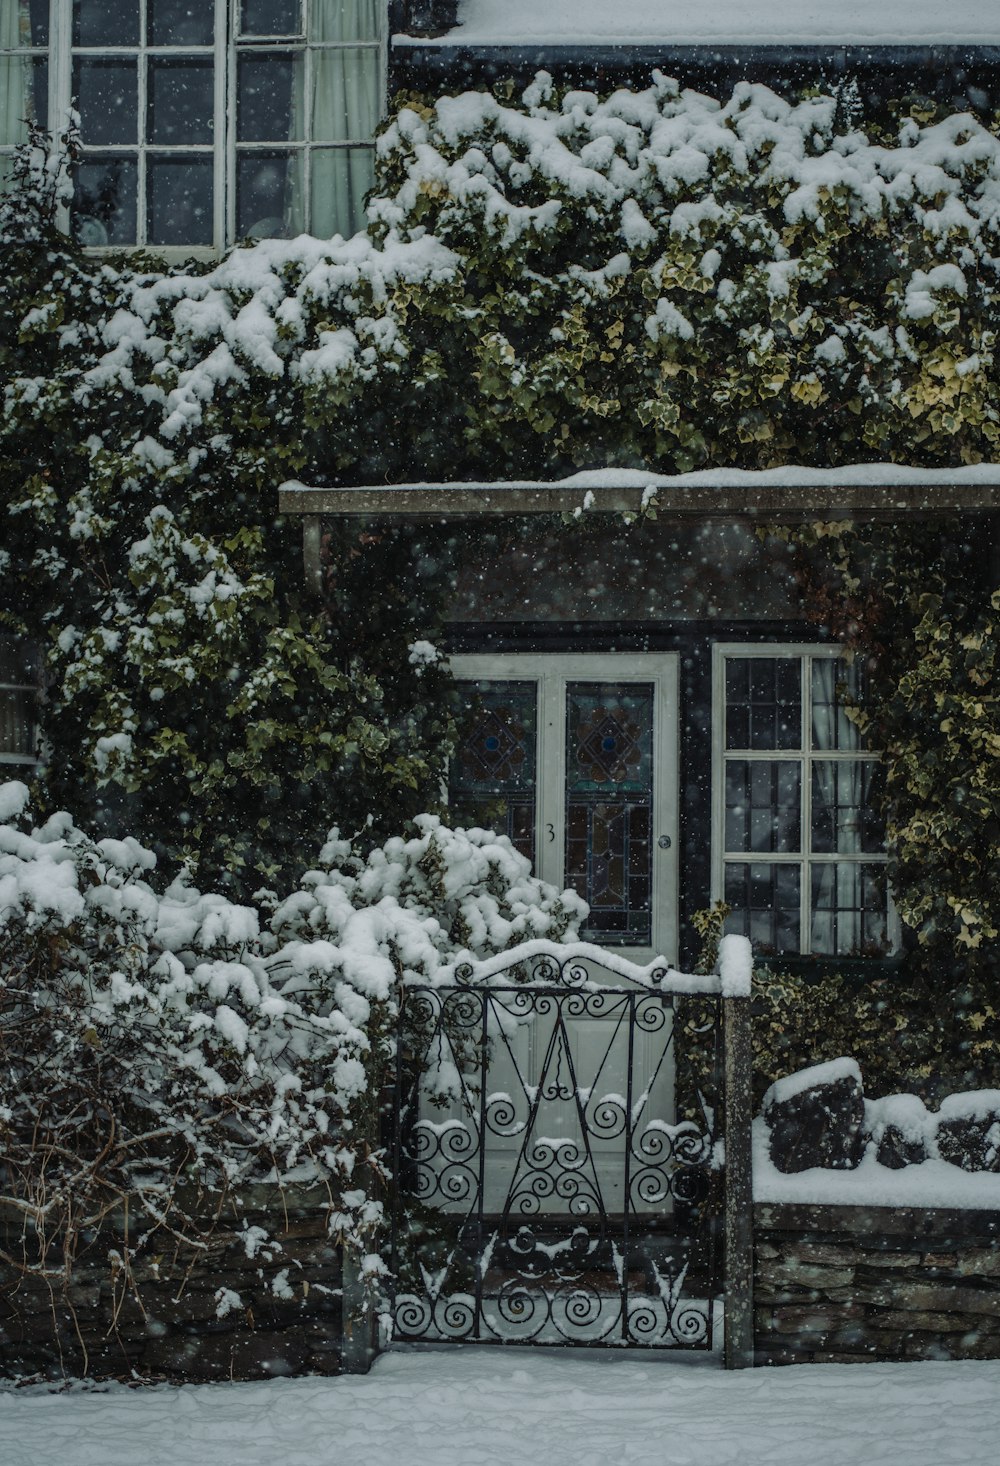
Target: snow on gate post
[(736, 972)]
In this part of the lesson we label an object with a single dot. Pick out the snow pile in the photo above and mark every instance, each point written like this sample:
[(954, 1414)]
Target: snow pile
[(485, 1406), (894, 1151), (226, 1043)]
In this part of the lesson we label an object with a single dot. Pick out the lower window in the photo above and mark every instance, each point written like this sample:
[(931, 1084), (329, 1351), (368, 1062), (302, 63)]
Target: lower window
[(799, 847)]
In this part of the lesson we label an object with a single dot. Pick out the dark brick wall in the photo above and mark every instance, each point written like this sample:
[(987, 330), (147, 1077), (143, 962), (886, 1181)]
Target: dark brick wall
[(844, 1284), (167, 1327)]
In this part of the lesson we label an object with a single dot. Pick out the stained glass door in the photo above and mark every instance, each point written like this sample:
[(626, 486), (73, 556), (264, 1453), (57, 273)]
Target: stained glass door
[(575, 759)]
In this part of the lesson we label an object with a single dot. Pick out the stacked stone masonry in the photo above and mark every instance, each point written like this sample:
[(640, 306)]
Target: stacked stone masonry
[(844, 1284), (173, 1325)]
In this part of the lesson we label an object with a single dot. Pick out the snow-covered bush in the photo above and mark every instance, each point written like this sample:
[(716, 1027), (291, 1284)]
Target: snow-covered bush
[(159, 1045)]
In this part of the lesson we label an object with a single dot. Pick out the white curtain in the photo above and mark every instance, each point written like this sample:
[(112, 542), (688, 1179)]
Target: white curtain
[(837, 918), (15, 71), (345, 105)]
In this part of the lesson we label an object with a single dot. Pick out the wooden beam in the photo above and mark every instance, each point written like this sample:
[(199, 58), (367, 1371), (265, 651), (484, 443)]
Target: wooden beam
[(767, 502)]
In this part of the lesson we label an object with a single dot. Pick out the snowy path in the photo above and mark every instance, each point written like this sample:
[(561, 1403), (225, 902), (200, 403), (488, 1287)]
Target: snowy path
[(518, 1408)]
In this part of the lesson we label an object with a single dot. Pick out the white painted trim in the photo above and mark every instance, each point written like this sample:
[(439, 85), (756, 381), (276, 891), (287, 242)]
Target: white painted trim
[(552, 671)]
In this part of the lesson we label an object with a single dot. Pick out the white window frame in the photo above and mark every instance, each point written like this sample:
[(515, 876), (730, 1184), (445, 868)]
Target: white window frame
[(223, 148), (804, 859), (551, 672)]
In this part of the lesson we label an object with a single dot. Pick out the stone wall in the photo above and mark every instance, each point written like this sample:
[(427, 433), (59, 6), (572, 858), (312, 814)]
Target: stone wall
[(173, 1325), (839, 1284)]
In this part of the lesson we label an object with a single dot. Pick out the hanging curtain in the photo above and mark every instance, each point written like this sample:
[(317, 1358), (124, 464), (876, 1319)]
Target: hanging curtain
[(15, 71), (837, 794), (346, 104)]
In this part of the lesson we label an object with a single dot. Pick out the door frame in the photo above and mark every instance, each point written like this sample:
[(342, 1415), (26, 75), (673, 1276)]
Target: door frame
[(551, 671)]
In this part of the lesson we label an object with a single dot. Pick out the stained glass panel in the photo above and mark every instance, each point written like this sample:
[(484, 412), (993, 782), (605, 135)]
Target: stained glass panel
[(609, 794), (492, 781)]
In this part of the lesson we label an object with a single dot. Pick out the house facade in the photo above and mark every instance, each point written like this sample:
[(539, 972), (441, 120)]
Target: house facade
[(659, 726)]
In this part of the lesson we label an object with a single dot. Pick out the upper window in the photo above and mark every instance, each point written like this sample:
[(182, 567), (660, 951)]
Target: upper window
[(18, 692), (799, 850), (202, 121)]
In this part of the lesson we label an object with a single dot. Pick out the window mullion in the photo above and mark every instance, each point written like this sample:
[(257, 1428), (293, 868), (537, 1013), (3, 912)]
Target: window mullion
[(60, 80), (142, 202), (551, 777), (805, 841)]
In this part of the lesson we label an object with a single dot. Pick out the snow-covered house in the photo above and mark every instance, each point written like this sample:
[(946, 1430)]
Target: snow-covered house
[(653, 719), (660, 721)]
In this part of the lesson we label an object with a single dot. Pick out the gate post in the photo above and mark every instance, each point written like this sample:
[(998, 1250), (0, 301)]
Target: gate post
[(359, 1323), (738, 1183)]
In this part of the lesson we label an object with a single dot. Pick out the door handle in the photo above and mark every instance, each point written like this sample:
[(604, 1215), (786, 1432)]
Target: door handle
[(664, 842)]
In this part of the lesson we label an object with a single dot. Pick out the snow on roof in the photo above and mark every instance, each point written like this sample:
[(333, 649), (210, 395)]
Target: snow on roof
[(725, 23)]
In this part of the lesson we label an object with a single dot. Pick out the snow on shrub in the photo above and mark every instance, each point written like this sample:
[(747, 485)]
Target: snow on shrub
[(156, 1045)]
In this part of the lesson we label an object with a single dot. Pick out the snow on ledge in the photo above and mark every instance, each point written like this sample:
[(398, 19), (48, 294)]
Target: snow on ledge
[(721, 23), (932, 1183), (791, 476)]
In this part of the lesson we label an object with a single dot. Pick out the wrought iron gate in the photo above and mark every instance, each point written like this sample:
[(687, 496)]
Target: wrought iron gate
[(557, 1157)]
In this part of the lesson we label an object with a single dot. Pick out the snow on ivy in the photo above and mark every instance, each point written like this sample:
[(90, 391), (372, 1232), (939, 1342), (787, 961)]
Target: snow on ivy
[(231, 1043), (651, 169)]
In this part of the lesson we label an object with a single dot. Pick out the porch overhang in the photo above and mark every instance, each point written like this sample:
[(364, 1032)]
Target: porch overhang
[(878, 491)]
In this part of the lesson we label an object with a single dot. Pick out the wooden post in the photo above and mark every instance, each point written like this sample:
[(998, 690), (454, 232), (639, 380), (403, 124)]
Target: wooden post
[(738, 1184), (359, 1328)]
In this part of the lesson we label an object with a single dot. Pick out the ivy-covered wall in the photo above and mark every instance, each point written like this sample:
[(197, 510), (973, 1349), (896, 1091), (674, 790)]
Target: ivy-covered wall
[(549, 281)]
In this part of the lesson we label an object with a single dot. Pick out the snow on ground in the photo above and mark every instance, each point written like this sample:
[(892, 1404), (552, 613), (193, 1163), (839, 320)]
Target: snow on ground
[(480, 1407), (727, 22)]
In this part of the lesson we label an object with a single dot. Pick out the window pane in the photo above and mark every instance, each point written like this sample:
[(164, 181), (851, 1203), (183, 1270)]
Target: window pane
[(18, 660), (763, 702), (346, 97), (24, 22), (24, 96), (269, 96), (104, 201), (105, 22), (180, 23), (763, 806), (765, 905), (347, 20), (269, 195), (845, 798), (341, 177), (181, 100), (831, 726), (106, 92), (179, 200), (849, 909), (609, 794), (271, 18), (17, 724), (493, 772)]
